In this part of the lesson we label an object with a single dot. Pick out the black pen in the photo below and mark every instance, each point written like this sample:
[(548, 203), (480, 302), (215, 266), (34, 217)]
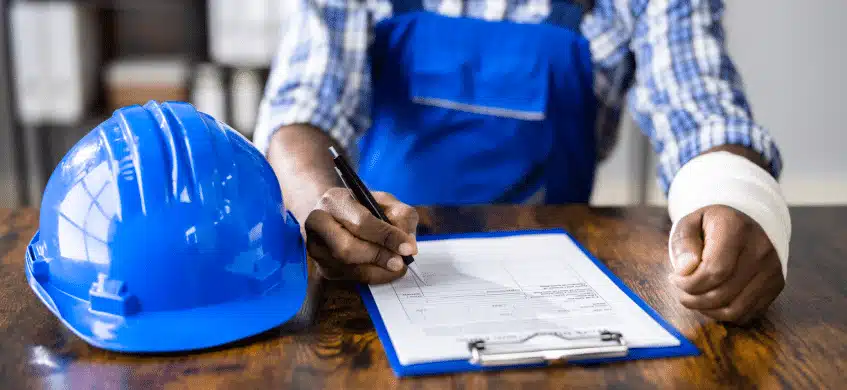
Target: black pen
[(363, 195)]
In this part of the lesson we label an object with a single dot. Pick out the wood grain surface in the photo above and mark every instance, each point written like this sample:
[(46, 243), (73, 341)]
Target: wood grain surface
[(800, 343)]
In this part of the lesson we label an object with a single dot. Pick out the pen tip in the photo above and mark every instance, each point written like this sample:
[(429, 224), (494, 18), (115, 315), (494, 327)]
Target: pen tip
[(416, 274), (333, 151)]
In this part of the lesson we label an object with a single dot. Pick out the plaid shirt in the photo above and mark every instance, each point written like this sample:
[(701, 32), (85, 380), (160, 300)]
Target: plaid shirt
[(665, 59)]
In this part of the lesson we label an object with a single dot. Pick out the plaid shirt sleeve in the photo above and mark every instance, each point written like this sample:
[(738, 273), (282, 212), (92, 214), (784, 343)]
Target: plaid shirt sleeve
[(319, 75), (688, 95)]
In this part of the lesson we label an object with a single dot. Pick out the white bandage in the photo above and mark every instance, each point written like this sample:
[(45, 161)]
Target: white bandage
[(723, 178)]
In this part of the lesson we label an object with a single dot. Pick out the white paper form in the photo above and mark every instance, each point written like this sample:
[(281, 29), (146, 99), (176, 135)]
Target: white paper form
[(505, 288)]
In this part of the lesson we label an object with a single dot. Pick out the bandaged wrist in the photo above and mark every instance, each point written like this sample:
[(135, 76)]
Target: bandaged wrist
[(723, 178)]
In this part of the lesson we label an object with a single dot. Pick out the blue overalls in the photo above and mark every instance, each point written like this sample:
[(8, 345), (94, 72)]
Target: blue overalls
[(467, 111)]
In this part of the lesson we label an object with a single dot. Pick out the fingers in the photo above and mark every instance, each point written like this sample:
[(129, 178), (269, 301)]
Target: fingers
[(356, 219), (750, 264), (737, 274), (687, 244), (725, 233), (348, 242), (329, 242), (752, 300), (370, 274), (331, 268), (363, 273), (765, 299)]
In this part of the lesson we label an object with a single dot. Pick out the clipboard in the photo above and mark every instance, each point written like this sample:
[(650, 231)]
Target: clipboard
[(589, 349)]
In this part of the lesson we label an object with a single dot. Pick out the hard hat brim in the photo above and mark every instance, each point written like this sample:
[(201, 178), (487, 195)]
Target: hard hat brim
[(184, 330)]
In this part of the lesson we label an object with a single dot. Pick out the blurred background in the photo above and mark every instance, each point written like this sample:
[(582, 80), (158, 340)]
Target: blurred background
[(66, 65)]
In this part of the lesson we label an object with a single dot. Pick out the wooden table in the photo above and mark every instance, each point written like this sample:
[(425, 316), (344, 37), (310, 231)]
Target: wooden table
[(801, 343)]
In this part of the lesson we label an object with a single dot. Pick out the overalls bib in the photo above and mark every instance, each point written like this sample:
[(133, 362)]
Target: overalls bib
[(467, 111)]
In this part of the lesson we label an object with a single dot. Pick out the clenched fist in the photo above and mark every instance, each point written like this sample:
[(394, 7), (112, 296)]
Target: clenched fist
[(348, 242), (725, 265)]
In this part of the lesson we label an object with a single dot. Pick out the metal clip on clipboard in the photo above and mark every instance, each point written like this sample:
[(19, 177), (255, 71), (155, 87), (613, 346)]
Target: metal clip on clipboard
[(603, 344)]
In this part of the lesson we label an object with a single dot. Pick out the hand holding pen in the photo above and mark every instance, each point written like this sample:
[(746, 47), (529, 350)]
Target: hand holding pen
[(348, 241), (363, 195)]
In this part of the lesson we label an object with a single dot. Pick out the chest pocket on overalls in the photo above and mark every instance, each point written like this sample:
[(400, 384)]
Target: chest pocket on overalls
[(478, 101)]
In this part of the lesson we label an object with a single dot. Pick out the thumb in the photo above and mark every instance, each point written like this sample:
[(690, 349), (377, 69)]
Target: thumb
[(685, 244)]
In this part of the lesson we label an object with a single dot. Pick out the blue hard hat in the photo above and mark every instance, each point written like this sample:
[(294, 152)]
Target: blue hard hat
[(164, 229)]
